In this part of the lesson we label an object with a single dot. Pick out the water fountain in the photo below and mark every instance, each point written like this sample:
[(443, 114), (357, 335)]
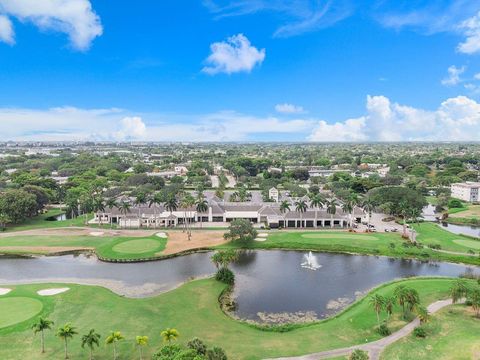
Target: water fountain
[(310, 262)]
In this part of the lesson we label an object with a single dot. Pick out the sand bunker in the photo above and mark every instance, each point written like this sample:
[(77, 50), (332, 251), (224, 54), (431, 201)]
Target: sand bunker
[(262, 235), (4, 291), (161, 235), (50, 292), (260, 239), (96, 233)]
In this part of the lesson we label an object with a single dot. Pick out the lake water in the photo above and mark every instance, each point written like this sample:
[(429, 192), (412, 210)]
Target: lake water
[(462, 229), (266, 281)]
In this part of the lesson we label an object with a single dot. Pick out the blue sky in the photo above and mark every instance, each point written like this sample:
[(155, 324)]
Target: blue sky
[(228, 70)]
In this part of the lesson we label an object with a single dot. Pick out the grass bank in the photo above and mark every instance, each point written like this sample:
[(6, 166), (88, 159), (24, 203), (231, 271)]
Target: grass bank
[(192, 309)]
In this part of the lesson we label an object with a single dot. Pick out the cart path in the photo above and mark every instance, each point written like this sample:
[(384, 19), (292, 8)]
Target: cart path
[(374, 348)]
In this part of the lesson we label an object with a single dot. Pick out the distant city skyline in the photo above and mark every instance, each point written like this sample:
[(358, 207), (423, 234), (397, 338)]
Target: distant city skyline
[(233, 70)]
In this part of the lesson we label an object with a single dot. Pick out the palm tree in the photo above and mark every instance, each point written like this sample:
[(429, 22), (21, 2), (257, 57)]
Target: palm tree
[(155, 200), (125, 209), (187, 202), (140, 199), (99, 206), (91, 340), (243, 194), (112, 339), (40, 326), (331, 209), (423, 314), (141, 341), (224, 258), (284, 207), (111, 203), (413, 299), (389, 304), (474, 299), (169, 335), (401, 294), (201, 207), (316, 201), (347, 207), (377, 301), (458, 290), (368, 206), (404, 209), (301, 206), (66, 332)]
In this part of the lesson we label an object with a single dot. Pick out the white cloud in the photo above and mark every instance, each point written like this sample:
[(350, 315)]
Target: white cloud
[(75, 18), (74, 124), (286, 108), (453, 77), (7, 34), (300, 16), (456, 119), (471, 30), (234, 55), (476, 76), (352, 130)]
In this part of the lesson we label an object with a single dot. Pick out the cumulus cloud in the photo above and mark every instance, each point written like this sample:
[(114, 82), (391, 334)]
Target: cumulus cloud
[(471, 30), (236, 54), (75, 18), (74, 124), (456, 119), (453, 77), (286, 108), (7, 34)]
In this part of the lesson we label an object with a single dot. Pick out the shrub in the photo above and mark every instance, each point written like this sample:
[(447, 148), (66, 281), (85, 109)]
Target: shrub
[(420, 332), (454, 203), (225, 275), (167, 352), (197, 345), (358, 355), (384, 330), (392, 245), (216, 353)]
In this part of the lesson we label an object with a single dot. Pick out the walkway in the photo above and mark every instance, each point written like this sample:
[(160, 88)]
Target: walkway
[(374, 348)]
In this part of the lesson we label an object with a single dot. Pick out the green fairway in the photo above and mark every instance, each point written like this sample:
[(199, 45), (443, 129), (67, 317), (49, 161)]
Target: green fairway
[(432, 234), (453, 333), (137, 246), (109, 247), (193, 309), (40, 222), (14, 310), (344, 236), (473, 244)]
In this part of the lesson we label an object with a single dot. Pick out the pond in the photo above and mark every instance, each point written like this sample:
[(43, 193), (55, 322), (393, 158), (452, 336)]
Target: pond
[(59, 217), (462, 229), (267, 282)]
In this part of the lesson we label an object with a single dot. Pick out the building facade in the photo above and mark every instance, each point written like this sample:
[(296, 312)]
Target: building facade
[(468, 191)]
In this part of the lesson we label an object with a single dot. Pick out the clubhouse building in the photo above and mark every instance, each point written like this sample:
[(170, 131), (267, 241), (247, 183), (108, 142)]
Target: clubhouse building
[(221, 212)]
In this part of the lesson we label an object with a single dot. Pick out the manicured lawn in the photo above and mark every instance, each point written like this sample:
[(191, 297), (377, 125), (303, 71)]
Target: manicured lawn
[(14, 310), (106, 246), (432, 234), (473, 244), (40, 222), (453, 333), (387, 244), (194, 311)]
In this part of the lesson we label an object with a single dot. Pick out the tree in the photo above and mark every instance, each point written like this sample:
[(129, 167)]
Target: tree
[(187, 202), (91, 340), (358, 354), (171, 204), (216, 353), (301, 207), (224, 258), (98, 207), (412, 299), (389, 304), (401, 294), (347, 207), (368, 206), (155, 200), (40, 326), (140, 199), (423, 314), (110, 204), (124, 210), (17, 205), (113, 339), (169, 335), (141, 342), (458, 290), (241, 230), (331, 209), (65, 333), (4, 220), (201, 207), (377, 302), (474, 300)]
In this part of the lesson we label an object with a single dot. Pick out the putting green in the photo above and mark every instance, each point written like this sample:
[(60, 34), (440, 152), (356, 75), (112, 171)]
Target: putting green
[(339, 236), (473, 244), (137, 246), (14, 310)]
